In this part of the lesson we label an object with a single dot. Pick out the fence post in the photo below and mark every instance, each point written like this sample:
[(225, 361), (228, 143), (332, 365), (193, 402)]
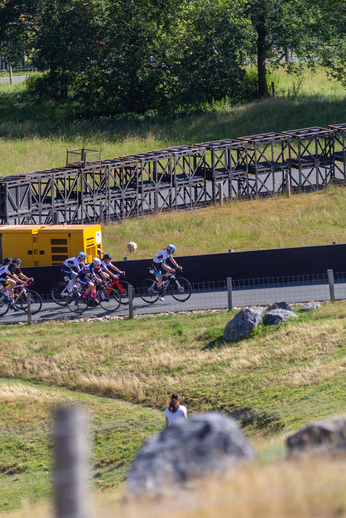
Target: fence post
[(71, 471), (229, 293), (288, 184), (220, 188), (28, 301), (331, 284), (131, 296), (11, 78)]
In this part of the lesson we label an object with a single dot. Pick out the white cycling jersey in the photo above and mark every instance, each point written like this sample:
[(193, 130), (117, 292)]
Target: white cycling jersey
[(72, 262), (4, 271), (162, 257), (105, 265)]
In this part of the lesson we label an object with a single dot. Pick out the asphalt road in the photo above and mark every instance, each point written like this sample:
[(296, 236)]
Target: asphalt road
[(198, 301)]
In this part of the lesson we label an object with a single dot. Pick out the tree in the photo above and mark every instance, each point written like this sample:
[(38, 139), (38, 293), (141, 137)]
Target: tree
[(278, 25)]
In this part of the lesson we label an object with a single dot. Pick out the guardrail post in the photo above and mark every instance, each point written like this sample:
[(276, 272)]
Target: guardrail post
[(131, 294), (220, 188), (331, 285), (71, 471), (288, 184), (229, 293), (28, 301)]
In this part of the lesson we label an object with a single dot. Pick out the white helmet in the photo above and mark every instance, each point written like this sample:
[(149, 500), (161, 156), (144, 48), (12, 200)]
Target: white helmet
[(96, 262)]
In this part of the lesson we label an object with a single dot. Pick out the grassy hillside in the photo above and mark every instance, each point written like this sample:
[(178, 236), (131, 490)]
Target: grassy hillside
[(302, 220), (35, 135), (274, 382)]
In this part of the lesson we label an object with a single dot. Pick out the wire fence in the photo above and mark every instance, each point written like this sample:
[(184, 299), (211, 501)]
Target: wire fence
[(206, 296)]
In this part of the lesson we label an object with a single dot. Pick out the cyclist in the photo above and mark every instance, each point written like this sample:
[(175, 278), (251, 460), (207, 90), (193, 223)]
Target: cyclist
[(17, 274), (88, 275), (7, 282), (159, 264), (72, 266), (108, 266)]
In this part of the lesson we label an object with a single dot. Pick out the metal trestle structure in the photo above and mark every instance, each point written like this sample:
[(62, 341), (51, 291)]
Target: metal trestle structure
[(92, 190)]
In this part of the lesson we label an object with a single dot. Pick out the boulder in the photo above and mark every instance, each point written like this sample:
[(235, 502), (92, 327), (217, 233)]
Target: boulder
[(319, 436), (199, 446), (243, 323), (311, 306), (276, 316), (281, 304)]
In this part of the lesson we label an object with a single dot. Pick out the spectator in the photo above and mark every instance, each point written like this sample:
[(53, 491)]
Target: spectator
[(175, 410)]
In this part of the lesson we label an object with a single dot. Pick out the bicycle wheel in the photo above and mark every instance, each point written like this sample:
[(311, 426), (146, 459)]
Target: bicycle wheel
[(109, 299), (35, 301), (58, 294), (180, 289), (4, 307), (76, 303), (147, 291), (123, 289)]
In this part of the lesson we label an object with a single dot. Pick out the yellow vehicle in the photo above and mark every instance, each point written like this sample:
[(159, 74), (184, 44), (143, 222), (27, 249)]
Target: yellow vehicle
[(43, 245)]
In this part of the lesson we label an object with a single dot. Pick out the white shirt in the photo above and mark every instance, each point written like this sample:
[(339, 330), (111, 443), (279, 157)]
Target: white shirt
[(174, 416), (162, 257), (73, 261), (4, 270)]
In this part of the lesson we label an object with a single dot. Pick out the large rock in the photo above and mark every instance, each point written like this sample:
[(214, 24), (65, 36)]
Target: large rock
[(328, 435), (311, 306), (280, 304), (243, 323), (189, 449), (276, 316)]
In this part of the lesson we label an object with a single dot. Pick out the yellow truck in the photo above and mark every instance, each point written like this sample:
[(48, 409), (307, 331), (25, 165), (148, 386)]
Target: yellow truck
[(44, 245)]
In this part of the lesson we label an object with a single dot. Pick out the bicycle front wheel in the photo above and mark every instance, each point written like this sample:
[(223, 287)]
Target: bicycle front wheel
[(76, 303), (58, 294), (35, 301), (4, 307), (180, 289), (147, 291), (110, 299)]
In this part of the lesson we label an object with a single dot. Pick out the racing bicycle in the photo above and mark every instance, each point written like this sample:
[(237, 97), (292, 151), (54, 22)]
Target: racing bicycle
[(179, 287), (21, 294), (107, 298)]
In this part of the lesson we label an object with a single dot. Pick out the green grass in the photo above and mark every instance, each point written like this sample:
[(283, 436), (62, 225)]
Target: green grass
[(273, 382), (302, 220), (35, 135), (26, 448)]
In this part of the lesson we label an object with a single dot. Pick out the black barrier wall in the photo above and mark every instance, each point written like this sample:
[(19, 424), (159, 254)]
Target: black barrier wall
[(281, 262)]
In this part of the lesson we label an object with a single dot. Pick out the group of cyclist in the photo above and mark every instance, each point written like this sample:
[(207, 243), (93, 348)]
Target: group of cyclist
[(10, 275), (100, 269)]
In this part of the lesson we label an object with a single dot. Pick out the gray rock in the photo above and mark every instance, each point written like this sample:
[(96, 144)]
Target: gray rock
[(309, 307), (202, 445), (243, 323), (276, 316), (319, 436), (281, 304)]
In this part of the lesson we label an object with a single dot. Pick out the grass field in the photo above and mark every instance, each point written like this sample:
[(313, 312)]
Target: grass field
[(122, 372), (302, 220), (274, 382), (34, 135)]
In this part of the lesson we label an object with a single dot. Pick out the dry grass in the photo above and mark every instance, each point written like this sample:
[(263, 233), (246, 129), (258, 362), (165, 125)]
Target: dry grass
[(143, 361), (301, 488), (305, 220)]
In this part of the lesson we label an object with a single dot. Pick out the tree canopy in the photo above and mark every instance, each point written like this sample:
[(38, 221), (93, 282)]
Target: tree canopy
[(138, 55)]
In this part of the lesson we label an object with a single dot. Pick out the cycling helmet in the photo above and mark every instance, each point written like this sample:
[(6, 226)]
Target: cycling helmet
[(7, 260), (82, 256), (171, 248), (96, 262), (16, 260), (107, 256)]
